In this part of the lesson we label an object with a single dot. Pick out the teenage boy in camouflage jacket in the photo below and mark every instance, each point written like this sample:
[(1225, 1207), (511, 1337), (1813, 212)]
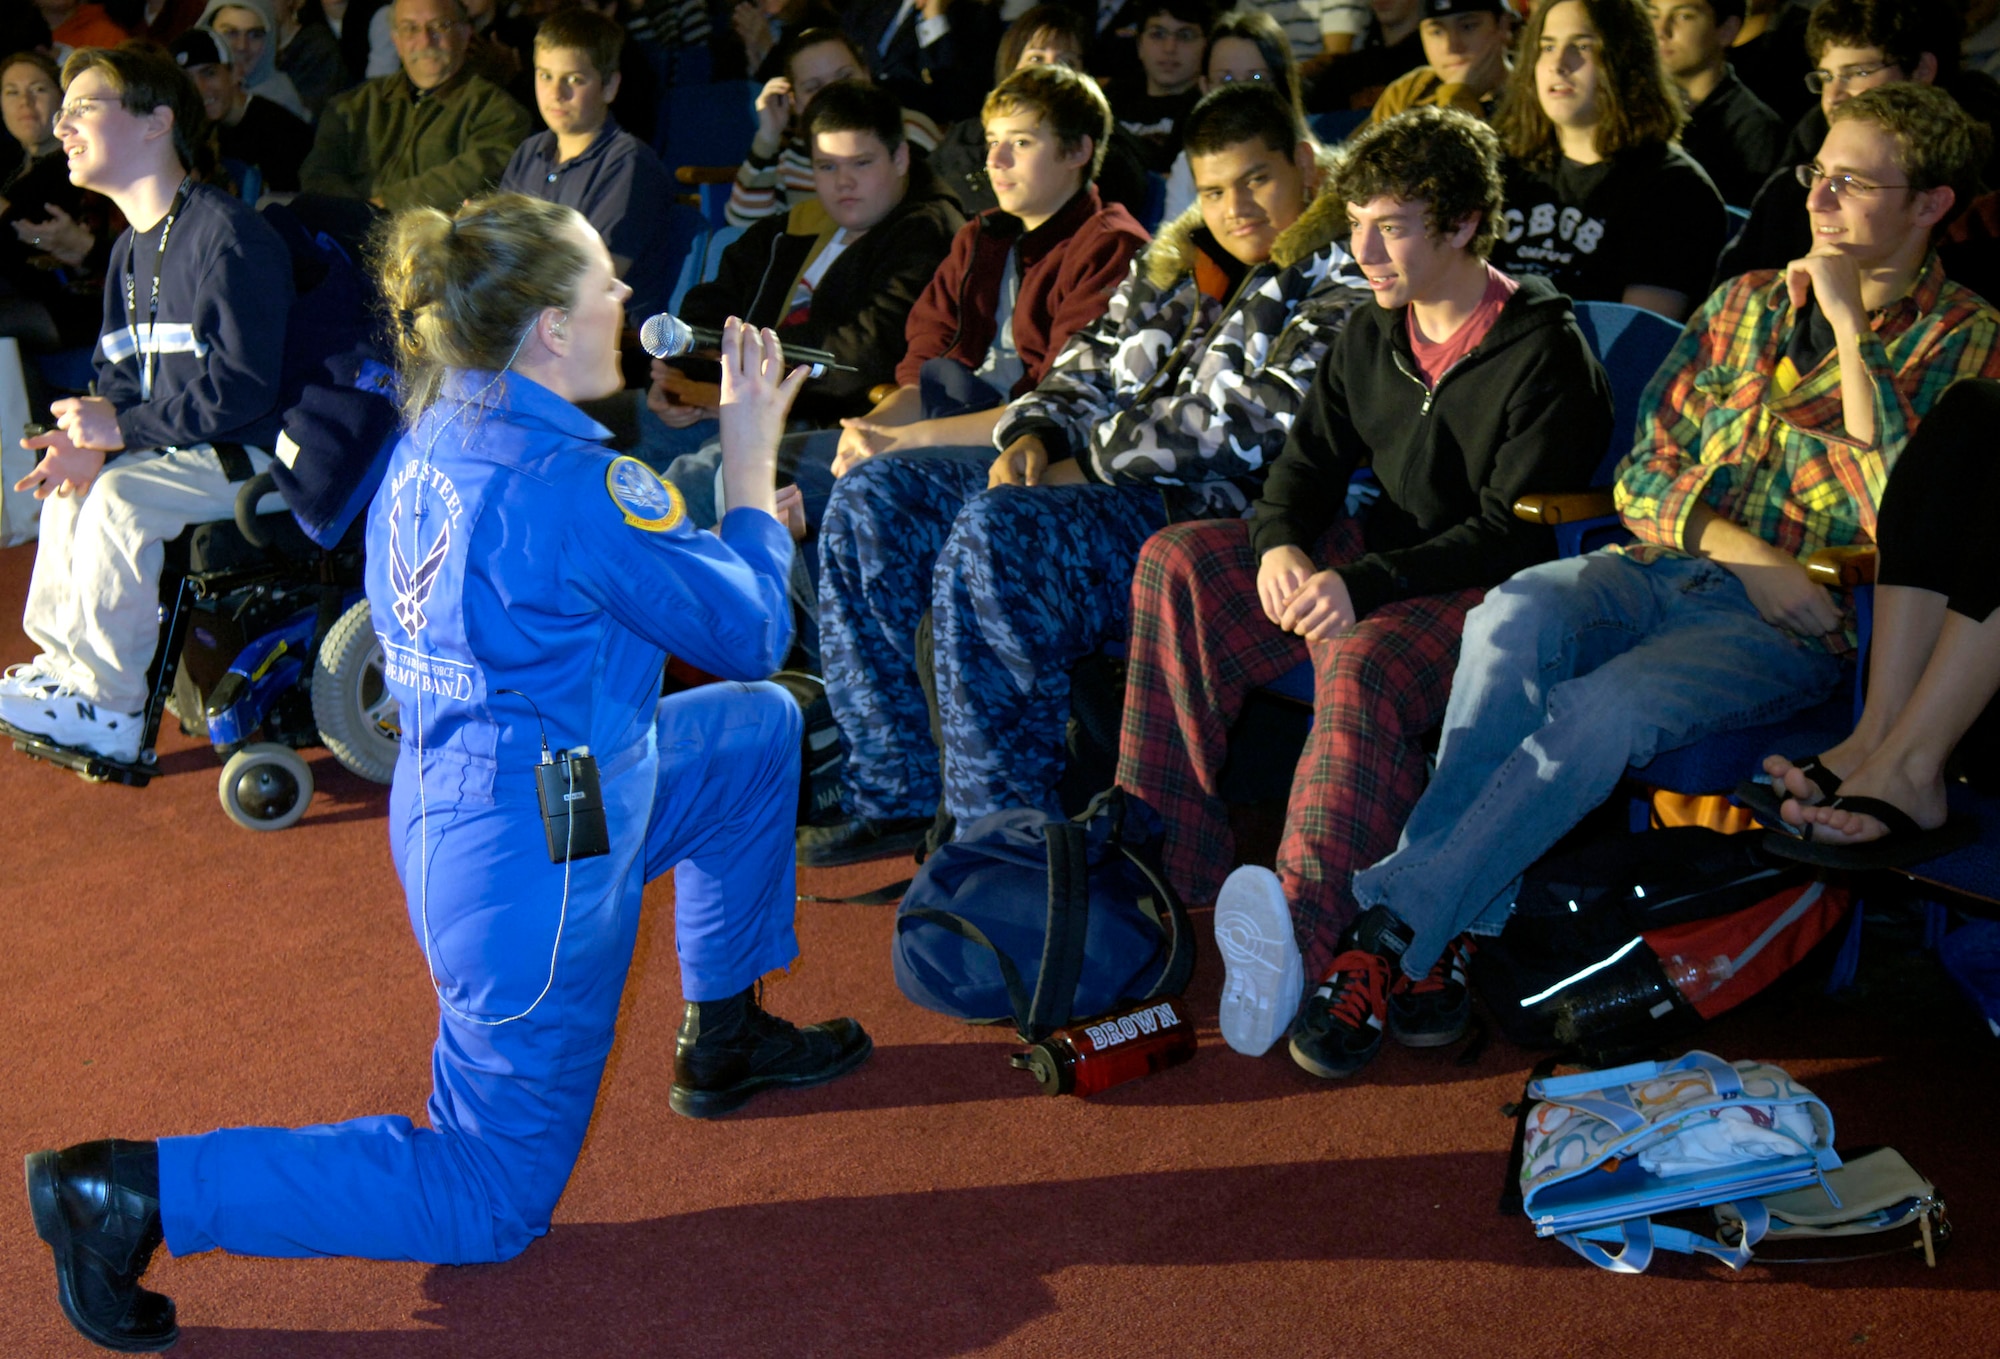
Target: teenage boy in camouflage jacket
[(1168, 408)]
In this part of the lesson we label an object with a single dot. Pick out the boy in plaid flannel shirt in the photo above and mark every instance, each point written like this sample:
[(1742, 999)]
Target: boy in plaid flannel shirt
[(1767, 434)]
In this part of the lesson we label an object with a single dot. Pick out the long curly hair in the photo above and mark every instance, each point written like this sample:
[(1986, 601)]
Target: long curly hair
[(1636, 101)]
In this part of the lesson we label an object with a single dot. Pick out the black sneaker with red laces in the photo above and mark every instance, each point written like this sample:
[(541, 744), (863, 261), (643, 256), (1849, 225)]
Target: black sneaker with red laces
[(1339, 1028), (1437, 1010)]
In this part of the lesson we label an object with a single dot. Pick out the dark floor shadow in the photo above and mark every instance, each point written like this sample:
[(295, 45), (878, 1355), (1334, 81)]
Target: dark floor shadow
[(950, 1271)]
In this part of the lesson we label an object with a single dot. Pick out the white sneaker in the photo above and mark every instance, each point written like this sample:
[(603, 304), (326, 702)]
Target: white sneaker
[(68, 719), (1263, 973), (32, 678)]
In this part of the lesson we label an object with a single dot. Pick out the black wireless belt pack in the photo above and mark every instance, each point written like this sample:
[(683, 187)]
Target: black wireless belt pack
[(572, 806)]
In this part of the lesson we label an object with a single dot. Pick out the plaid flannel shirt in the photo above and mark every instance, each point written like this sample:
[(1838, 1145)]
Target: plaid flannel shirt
[(1713, 429)]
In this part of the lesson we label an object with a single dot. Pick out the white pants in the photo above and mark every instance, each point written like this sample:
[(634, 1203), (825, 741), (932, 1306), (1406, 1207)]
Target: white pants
[(94, 599)]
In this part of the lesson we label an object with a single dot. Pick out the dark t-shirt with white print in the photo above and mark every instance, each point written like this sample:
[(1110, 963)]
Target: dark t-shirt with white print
[(1649, 216)]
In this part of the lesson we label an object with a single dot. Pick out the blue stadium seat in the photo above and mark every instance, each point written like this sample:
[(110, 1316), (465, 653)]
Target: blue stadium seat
[(704, 257), (707, 124), (1338, 125)]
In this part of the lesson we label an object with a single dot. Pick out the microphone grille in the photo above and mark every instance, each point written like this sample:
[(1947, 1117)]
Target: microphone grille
[(664, 336)]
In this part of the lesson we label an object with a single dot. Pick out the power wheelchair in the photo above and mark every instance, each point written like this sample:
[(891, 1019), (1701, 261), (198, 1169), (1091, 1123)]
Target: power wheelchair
[(265, 649)]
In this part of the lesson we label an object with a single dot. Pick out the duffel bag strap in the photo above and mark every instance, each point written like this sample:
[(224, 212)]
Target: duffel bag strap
[(1063, 938), (1637, 1238), (1017, 995)]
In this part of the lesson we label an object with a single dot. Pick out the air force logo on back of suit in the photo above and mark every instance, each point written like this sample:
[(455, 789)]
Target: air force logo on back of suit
[(413, 581)]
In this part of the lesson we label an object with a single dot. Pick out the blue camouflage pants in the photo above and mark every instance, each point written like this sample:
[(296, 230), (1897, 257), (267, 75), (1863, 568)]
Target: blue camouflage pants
[(1022, 584)]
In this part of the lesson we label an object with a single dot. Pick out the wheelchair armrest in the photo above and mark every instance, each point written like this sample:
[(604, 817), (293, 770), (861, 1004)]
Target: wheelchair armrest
[(1565, 507), (705, 174), (1843, 568), (247, 496)]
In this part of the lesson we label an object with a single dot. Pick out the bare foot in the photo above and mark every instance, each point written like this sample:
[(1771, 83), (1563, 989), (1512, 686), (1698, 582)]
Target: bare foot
[(1923, 798)]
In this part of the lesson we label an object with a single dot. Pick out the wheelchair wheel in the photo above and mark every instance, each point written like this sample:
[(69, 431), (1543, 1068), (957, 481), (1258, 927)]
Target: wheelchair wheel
[(265, 787), (356, 714)]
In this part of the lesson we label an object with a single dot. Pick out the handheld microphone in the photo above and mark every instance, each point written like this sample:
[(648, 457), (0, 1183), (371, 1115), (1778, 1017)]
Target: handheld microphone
[(666, 336)]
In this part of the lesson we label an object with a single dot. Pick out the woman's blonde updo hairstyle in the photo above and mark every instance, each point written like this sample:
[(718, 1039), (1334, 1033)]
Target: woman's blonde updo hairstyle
[(463, 290)]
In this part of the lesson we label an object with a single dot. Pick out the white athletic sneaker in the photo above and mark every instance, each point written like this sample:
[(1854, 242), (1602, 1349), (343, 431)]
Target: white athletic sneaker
[(68, 719), (1263, 974), (33, 678)]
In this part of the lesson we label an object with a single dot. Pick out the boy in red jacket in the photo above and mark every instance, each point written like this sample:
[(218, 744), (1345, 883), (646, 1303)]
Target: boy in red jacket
[(1019, 281)]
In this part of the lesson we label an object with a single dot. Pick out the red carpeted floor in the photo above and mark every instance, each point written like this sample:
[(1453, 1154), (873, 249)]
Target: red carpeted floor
[(166, 972)]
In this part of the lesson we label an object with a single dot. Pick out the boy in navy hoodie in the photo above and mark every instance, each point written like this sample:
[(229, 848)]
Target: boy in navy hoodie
[(188, 371)]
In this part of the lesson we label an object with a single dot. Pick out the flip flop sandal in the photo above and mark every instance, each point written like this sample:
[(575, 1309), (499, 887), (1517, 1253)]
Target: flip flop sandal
[(1763, 801), (1906, 843)]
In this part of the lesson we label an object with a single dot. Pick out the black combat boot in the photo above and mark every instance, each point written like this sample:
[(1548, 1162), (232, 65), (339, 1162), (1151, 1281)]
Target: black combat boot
[(97, 1204), (730, 1049)]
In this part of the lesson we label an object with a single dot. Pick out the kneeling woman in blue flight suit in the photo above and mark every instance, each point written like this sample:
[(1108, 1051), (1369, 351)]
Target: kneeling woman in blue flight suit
[(527, 586)]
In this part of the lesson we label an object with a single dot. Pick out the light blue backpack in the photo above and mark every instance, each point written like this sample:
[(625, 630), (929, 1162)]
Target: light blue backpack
[(1603, 1151)]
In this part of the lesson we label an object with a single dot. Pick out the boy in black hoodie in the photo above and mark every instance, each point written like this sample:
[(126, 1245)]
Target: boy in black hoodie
[(1462, 388)]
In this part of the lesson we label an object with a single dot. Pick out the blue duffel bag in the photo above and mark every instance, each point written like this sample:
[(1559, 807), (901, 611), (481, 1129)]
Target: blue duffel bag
[(1079, 907)]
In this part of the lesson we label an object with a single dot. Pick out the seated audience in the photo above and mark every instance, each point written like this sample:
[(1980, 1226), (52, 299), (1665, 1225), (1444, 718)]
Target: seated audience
[(1150, 105), (930, 54), (1769, 55), (434, 133), (1981, 49), (1879, 795), (1509, 400), (74, 25), (1357, 80), (486, 54), (1730, 132), (1768, 434), (251, 132), (1858, 45), (246, 25), (1468, 46), (188, 372), (309, 54), (839, 272), (777, 175), (752, 46), (586, 161), (1319, 29), (1244, 45), (1599, 198), (165, 20), (1169, 407), (53, 241), (1020, 279), (1047, 35)]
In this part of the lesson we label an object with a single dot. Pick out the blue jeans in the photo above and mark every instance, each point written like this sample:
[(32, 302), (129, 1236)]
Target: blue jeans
[(1568, 673)]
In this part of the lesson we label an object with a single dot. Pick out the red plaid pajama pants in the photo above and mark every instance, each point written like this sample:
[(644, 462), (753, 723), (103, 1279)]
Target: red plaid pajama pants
[(1200, 643)]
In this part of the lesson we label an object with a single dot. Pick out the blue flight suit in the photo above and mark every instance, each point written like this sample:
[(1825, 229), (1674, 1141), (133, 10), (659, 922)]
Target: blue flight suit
[(507, 549)]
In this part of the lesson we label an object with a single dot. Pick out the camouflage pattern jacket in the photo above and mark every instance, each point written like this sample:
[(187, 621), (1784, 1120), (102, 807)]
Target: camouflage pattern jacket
[(1178, 389)]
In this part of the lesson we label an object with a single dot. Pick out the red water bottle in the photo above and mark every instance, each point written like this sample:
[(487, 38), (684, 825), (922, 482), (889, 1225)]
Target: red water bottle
[(1086, 1058)]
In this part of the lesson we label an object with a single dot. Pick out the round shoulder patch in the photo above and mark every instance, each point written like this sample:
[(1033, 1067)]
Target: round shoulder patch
[(642, 497)]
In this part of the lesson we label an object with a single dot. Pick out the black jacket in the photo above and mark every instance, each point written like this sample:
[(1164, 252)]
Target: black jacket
[(862, 304), (1529, 409)]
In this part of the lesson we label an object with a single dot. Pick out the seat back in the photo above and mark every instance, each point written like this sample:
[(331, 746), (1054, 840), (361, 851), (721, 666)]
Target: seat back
[(704, 258), (708, 124), (1631, 343)]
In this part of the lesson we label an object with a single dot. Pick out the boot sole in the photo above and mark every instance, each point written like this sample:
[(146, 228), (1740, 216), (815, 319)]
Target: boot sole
[(715, 1103), (39, 1169)]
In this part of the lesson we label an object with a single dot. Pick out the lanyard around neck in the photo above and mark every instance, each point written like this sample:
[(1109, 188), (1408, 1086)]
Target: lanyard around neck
[(148, 356)]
